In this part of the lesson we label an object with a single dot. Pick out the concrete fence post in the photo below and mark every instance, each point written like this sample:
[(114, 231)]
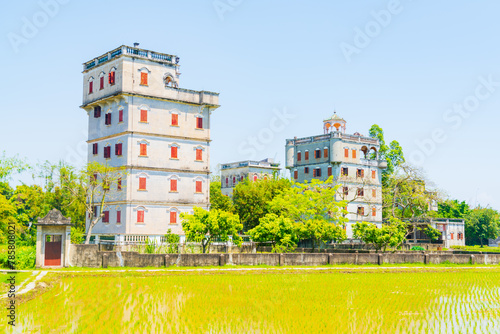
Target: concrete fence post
[(104, 260), (472, 259), (380, 259), (330, 258), (165, 260), (356, 258), (222, 260), (426, 258), (282, 259)]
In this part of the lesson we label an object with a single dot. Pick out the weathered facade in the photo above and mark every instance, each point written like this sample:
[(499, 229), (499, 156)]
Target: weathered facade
[(236, 172), (141, 120), (352, 161)]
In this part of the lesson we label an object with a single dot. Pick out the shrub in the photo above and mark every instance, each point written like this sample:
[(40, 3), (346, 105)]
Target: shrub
[(25, 258), (417, 248)]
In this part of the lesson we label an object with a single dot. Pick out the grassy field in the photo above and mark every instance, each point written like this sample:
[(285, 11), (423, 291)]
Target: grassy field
[(429, 300)]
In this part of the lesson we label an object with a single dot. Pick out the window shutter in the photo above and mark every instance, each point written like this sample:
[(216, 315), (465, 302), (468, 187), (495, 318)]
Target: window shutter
[(330, 171), (101, 82), (144, 150), (255, 178), (142, 183), (374, 212), (307, 155), (199, 154), (140, 216), (97, 112), (91, 87), (319, 172), (118, 216), (325, 153), (95, 149), (144, 115), (118, 149), (120, 116), (374, 174), (299, 156), (173, 217), (346, 152), (175, 119), (354, 154), (173, 185), (111, 78), (198, 186), (119, 184), (314, 172), (144, 79), (105, 219), (199, 123), (107, 119), (295, 175), (173, 152)]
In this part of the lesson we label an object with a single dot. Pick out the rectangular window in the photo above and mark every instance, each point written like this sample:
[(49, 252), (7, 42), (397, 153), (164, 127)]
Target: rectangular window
[(175, 119), (329, 171), (295, 175), (111, 78), (118, 149), (142, 183), (144, 79), (101, 83), (299, 156), (95, 149), (173, 217), (317, 154), (374, 193), (325, 153), (119, 184), (140, 216), (91, 87), (97, 112), (317, 172), (120, 116), (173, 185), (107, 152), (361, 211), (374, 174), (173, 152), (346, 152), (354, 154), (361, 192), (306, 155), (314, 172), (374, 212), (144, 116), (96, 209), (105, 218), (118, 217), (451, 236), (346, 191), (144, 150), (199, 123), (360, 173), (199, 184), (345, 171), (306, 170), (107, 119), (199, 154)]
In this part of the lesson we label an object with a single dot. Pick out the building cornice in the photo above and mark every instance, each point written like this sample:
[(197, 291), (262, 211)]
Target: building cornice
[(147, 134)]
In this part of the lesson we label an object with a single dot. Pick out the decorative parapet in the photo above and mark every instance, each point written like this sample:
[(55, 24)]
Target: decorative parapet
[(336, 134)]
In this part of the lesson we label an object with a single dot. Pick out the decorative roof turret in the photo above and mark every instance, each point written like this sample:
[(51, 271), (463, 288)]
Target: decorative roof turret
[(334, 123)]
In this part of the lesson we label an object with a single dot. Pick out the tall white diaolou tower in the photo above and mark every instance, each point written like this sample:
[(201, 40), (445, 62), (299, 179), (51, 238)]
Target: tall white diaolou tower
[(140, 119)]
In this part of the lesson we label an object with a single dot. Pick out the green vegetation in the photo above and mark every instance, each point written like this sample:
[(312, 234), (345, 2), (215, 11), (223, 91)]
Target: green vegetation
[(391, 235), (477, 248), (364, 301)]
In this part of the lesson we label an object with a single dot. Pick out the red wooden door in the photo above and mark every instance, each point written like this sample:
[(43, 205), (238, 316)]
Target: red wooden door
[(52, 250)]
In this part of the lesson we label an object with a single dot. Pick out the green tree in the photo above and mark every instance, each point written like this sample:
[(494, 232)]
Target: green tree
[(452, 209), (205, 226), (391, 235), (218, 200), (251, 198), (7, 218), (481, 224), (282, 232), (393, 153), (432, 233), (313, 205), (10, 166)]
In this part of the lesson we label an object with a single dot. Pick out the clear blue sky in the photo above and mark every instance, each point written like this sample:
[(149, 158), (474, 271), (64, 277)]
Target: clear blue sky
[(422, 66)]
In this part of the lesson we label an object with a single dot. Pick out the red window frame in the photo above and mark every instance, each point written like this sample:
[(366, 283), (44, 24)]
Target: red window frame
[(105, 218), (199, 123), (111, 78), (346, 152), (346, 191), (173, 152), (97, 111), (374, 212), (374, 174), (144, 79), (119, 184), (91, 87), (173, 185), (306, 155), (295, 175), (118, 216), (118, 149), (175, 119), (325, 153), (344, 171), (143, 150), (199, 154), (142, 183), (120, 115), (107, 118), (317, 154), (329, 171), (198, 188), (173, 217), (299, 156), (95, 149), (354, 154), (361, 192), (101, 83), (107, 152), (140, 216), (144, 116)]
